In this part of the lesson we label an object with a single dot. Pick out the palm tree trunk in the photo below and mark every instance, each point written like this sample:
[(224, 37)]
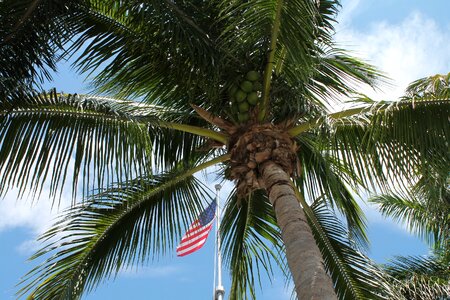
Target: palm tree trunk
[(303, 256)]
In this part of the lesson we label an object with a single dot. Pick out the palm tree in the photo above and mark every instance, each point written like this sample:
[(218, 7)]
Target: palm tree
[(247, 86)]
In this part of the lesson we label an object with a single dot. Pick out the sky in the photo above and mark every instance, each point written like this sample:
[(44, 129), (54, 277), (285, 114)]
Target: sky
[(406, 39)]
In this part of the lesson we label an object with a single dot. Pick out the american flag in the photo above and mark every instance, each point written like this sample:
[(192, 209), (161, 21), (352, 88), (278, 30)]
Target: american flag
[(196, 235)]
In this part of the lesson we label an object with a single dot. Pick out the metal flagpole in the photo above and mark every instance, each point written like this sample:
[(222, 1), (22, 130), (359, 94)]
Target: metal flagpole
[(220, 291)]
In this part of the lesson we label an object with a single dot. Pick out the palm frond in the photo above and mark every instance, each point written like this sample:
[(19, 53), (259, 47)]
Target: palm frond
[(173, 146), (418, 278), (429, 220), (336, 76), (305, 27), (437, 86), (324, 177), (116, 228), (105, 139), (46, 135), (339, 75), (389, 141), (31, 34), (251, 242), (141, 48), (416, 129), (278, 38)]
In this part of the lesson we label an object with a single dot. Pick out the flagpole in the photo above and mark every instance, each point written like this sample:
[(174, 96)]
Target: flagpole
[(220, 291)]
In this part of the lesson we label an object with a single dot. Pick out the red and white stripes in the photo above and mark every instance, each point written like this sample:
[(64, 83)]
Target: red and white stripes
[(194, 238)]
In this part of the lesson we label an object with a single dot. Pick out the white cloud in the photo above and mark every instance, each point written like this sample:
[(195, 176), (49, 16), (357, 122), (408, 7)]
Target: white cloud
[(415, 48), (36, 216), (349, 9)]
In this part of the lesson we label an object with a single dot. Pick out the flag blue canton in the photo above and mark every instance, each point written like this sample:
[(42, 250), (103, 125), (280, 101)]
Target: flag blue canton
[(208, 214)]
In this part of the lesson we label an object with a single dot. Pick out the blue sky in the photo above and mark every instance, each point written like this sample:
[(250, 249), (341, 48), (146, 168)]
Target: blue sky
[(407, 39)]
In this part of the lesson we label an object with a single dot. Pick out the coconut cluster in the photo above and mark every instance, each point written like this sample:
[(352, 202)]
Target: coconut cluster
[(245, 96)]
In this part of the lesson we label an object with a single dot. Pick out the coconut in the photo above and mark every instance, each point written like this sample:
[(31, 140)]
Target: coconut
[(240, 95), (252, 76), (247, 86), (252, 98), (243, 106)]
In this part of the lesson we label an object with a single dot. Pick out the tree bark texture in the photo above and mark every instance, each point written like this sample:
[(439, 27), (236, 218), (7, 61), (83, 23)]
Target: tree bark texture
[(303, 256)]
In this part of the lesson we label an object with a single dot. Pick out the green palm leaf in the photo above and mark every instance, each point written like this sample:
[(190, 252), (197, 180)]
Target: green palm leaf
[(116, 228), (423, 208), (403, 137), (428, 221), (437, 86), (338, 75), (418, 278), (144, 47), (324, 177), (104, 139), (30, 35)]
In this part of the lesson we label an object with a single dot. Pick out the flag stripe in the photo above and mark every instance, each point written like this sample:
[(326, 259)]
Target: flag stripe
[(193, 241), (185, 243), (194, 233), (192, 249)]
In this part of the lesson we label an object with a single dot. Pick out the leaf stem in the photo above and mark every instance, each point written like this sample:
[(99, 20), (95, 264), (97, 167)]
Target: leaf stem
[(294, 131), (197, 130), (270, 63)]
